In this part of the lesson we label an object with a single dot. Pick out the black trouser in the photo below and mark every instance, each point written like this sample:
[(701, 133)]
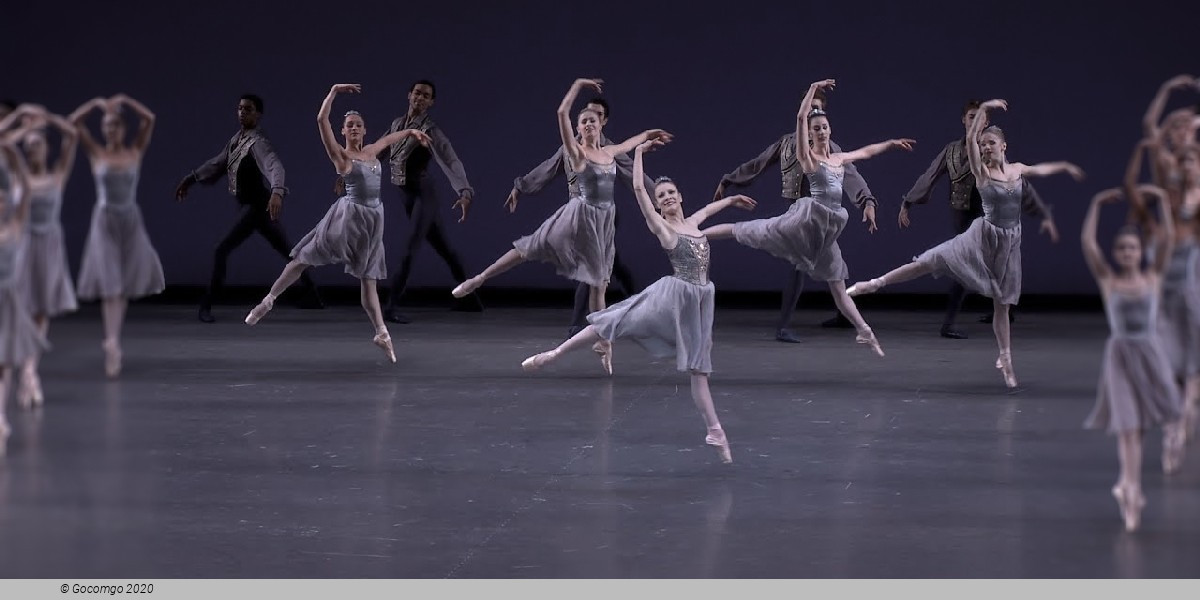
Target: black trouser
[(962, 221), (425, 224), (253, 218), (620, 274)]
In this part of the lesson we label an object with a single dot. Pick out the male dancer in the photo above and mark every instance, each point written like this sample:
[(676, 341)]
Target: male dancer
[(409, 161), (258, 185), (965, 206), (795, 186), (535, 180)]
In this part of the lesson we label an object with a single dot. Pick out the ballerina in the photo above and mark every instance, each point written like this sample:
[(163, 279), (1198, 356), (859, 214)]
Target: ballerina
[(987, 257), (674, 315), (44, 276), (119, 262), (806, 235), (578, 238), (20, 337), (1136, 388), (351, 233)]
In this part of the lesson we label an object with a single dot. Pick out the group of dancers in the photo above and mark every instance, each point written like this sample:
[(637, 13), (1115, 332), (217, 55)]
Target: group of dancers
[(1151, 371)]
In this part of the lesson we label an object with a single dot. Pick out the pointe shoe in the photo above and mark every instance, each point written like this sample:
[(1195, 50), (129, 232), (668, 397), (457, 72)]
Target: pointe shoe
[(717, 439), (865, 287), (260, 311), (383, 339), (112, 358), (1131, 502), (537, 361), (1004, 363), (867, 336), (465, 288), (605, 349)]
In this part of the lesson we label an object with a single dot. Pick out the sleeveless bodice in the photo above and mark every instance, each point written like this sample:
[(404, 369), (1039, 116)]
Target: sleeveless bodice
[(1181, 267), (825, 186), (45, 204), (689, 259), (1002, 202), (596, 182), (363, 182), (1131, 315), (116, 186)]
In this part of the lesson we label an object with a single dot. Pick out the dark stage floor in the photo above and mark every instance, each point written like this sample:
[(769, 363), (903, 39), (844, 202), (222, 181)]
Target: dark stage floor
[(292, 450)]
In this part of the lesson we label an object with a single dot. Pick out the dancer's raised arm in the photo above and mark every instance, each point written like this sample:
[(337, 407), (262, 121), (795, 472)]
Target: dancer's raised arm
[(574, 152), (977, 126), (1166, 241), (146, 121), (336, 153), (1092, 254), (1150, 126), (395, 136), (803, 153), (70, 142), (90, 145), (654, 221), (18, 169)]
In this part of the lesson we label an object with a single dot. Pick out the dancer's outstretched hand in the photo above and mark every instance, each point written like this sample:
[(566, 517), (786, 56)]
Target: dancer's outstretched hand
[(346, 88), (743, 202), (422, 137), (824, 84), (650, 145), (720, 193), (1109, 195), (511, 202), (595, 84), (904, 143), (997, 103), (659, 134), (1050, 229), (903, 218), (464, 202), (1075, 171), (869, 218)]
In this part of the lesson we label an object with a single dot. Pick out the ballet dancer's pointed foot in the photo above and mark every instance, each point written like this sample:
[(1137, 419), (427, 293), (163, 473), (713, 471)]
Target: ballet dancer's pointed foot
[(260, 311), (383, 339), (466, 287), (537, 361), (1131, 502), (605, 349), (716, 438), (867, 336), (112, 358), (1004, 363), (1174, 443), (865, 287)]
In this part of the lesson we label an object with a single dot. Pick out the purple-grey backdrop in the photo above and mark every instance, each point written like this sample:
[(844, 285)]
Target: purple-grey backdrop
[(726, 80)]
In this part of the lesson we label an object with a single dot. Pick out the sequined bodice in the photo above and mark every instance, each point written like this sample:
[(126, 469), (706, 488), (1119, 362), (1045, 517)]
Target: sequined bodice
[(596, 182), (689, 259), (116, 186), (1002, 202), (363, 182), (45, 204), (8, 259), (825, 186), (1131, 315)]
